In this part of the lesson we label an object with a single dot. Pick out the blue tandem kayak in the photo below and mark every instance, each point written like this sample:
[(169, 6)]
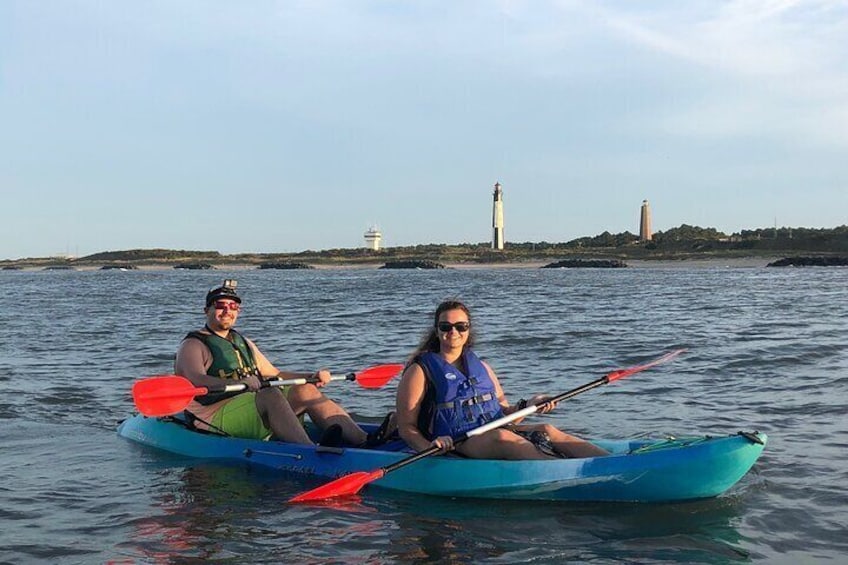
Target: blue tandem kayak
[(638, 470)]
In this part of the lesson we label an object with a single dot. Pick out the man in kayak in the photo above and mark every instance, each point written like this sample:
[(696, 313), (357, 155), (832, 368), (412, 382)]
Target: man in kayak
[(446, 390), (218, 352)]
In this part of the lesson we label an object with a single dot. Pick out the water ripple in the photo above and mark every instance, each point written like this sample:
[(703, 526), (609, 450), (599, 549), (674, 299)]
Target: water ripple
[(766, 351)]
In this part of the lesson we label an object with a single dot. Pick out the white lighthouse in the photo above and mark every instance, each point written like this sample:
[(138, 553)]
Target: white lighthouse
[(497, 218), (373, 237)]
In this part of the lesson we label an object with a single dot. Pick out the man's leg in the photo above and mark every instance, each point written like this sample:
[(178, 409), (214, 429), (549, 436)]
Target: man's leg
[(279, 417), (324, 412)]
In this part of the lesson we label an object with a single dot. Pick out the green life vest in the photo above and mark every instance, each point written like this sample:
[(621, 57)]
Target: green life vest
[(232, 358)]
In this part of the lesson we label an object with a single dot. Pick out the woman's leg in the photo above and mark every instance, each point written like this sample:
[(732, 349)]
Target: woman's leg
[(500, 444), (567, 444)]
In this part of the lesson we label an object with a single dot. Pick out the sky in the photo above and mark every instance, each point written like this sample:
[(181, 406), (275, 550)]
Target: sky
[(285, 126)]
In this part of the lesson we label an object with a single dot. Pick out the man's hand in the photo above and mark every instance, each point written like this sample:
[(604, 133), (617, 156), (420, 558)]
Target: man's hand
[(252, 382), (323, 376)]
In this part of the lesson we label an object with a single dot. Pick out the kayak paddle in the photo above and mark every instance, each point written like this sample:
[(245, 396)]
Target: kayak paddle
[(353, 483), (170, 394)]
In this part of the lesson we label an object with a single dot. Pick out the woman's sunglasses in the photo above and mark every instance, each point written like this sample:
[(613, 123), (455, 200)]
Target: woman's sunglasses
[(461, 327)]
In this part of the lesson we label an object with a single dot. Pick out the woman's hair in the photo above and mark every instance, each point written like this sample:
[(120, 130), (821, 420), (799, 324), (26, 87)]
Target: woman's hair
[(430, 341)]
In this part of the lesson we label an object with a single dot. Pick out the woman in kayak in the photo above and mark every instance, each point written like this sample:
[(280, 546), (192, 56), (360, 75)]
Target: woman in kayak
[(447, 390)]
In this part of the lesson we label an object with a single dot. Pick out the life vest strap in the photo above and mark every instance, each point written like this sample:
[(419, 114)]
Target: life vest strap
[(468, 401)]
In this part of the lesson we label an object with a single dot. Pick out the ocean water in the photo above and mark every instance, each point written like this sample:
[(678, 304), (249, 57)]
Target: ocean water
[(766, 351)]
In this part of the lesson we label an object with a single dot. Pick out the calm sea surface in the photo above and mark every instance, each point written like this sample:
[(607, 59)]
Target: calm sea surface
[(767, 351)]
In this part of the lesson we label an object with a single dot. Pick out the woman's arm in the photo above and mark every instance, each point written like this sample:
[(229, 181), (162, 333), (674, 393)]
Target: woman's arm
[(410, 394), (499, 393), (506, 406)]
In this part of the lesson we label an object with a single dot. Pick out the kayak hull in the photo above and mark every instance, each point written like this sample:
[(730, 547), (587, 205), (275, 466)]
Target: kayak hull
[(644, 470)]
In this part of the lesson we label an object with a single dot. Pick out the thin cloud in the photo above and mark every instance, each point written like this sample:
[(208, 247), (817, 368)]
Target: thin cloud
[(773, 67)]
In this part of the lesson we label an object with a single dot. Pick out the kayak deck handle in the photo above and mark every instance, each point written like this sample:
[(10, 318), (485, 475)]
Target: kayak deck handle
[(753, 437)]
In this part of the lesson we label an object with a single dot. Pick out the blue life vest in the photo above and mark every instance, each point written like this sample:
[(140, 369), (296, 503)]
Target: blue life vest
[(460, 402)]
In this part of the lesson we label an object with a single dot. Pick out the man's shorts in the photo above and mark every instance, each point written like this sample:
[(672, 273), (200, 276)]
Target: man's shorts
[(239, 418)]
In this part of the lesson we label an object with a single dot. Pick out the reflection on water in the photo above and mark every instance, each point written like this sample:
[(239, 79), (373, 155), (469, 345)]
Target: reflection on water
[(197, 507), (214, 512), (510, 531)]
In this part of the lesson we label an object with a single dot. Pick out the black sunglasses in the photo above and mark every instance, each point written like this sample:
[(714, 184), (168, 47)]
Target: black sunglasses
[(461, 327)]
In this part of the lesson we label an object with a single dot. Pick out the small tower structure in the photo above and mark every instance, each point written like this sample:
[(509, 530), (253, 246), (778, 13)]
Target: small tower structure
[(373, 238), (498, 219), (645, 233)]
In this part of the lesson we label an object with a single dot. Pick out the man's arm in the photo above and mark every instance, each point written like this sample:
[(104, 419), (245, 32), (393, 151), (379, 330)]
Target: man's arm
[(266, 368), (269, 371), (193, 359)]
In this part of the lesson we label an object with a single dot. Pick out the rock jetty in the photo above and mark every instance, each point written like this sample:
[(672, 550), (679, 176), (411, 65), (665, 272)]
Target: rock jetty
[(194, 266), (285, 265), (586, 263), (413, 264), (810, 262)]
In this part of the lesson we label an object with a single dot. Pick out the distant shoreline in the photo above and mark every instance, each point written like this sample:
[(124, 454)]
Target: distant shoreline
[(685, 263), (684, 245)]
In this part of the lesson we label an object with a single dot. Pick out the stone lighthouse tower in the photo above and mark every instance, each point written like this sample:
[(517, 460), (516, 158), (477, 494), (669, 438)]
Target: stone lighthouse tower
[(497, 218), (645, 233)]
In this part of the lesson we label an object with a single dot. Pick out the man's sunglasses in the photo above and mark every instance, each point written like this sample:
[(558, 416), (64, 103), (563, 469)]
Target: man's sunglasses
[(234, 306), (461, 327)]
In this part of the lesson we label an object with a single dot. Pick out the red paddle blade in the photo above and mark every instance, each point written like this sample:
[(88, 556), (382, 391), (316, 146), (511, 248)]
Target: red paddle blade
[(376, 377), (343, 486), (621, 373), (164, 395)]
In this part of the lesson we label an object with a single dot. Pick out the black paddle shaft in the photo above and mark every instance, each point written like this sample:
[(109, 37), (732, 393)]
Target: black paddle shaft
[(574, 392)]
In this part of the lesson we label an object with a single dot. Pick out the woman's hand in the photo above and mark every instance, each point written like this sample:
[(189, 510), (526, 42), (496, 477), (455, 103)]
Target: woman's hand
[(444, 443), (544, 408)]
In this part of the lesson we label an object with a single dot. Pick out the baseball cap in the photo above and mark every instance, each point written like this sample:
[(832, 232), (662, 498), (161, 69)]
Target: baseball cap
[(226, 290)]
